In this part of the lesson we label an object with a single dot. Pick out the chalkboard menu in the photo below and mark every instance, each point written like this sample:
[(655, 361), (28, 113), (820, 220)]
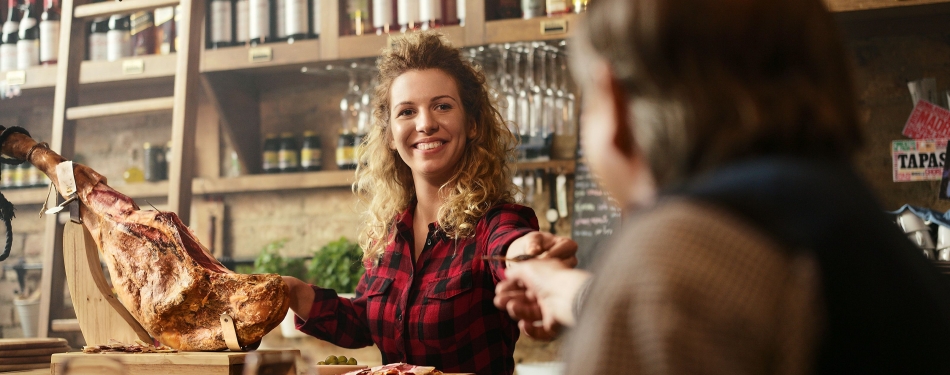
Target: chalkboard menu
[(596, 215)]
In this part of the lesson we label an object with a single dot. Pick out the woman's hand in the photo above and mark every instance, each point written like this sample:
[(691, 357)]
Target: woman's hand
[(545, 245), (541, 290), (301, 296)]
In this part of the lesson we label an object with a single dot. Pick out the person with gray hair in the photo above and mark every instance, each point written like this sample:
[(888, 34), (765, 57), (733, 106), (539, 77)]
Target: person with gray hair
[(750, 245)]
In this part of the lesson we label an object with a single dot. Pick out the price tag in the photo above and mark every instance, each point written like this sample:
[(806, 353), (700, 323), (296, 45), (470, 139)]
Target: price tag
[(136, 66), (554, 27), (67, 181), (16, 77), (260, 54), (561, 195)]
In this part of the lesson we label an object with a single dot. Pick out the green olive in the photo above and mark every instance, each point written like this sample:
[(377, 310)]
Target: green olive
[(321, 363), (331, 360), (351, 362), (341, 360)]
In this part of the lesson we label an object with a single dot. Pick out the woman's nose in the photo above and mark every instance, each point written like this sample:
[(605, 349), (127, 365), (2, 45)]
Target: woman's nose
[(425, 123)]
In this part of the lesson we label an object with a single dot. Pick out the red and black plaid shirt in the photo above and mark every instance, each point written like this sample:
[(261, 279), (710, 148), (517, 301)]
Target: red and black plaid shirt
[(438, 311)]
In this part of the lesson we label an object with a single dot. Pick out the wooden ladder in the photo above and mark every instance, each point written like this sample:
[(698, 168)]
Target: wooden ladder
[(66, 112)]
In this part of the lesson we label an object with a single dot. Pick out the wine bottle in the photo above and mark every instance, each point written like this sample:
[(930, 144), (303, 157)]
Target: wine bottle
[(384, 16), (430, 13), (288, 158), (143, 34), (98, 39), (119, 37), (357, 17), (241, 22), (408, 14), (219, 25), (8, 39), (165, 30), (49, 33), (315, 18), (296, 16), (28, 39), (259, 15)]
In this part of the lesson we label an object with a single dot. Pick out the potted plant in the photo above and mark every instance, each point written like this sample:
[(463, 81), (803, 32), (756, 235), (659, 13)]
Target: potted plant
[(337, 265)]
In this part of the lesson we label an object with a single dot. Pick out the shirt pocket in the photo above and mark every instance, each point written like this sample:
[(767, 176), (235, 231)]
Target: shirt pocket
[(448, 310), (377, 295)]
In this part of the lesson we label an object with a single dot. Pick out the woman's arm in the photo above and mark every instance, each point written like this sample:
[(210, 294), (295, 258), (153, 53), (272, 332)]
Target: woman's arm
[(322, 314)]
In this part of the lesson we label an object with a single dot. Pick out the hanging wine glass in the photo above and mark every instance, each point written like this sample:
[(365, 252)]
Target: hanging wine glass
[(568, 110)]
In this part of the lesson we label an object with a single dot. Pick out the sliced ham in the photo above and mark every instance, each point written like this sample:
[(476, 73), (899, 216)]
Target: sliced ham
[(160, 271)]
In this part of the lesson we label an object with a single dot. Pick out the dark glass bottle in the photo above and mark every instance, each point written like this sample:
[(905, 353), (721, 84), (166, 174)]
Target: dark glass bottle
[(287, 154), (8, 38), (165, 30), (49, 33), (297, 15), (270, 154), (144, 34), (98, 39), (311, 153), (28, 39), (220, 30), (344, 151), (119, 37)]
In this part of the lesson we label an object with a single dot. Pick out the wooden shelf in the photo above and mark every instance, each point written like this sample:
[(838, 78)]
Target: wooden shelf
[(103, 72), (273, 182), (364, 46), (106, 9), (836, 6), (519, 30), (563, 166), (282, 56), (120, 108)]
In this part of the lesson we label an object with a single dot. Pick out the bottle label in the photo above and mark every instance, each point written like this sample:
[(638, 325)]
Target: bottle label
[(270, 160), (532, 8), (98, 47), (556, 6), (344, 155), (295, 14), (408, 11), (49, 41), (119, 44), (287, 159), (19, 176), (27, 53), (430, 10), (310, 157), (142, 21), (241, 21), (8, 58), (259, 16), (163, 15), (221, 22)]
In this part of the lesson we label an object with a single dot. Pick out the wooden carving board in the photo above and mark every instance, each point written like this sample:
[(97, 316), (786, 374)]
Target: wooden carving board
[(183, 363), (31, 343), (100, 314)]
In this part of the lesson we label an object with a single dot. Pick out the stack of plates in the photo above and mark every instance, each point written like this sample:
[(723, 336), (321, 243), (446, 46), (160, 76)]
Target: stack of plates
[(29, 353)]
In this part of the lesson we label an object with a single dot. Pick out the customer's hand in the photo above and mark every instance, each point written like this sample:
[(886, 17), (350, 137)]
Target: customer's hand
[(540, 290), (545, 245)]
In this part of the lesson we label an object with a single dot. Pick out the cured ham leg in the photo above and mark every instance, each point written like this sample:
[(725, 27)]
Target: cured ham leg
[(160, 272)]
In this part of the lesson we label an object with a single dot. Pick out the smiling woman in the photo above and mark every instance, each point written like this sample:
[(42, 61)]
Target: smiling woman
[(434, 175)]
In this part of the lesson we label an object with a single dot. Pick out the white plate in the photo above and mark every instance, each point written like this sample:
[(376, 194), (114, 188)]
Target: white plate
[(337, 369)]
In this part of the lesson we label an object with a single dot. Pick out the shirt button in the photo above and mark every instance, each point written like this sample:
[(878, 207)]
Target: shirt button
[(429, 242), (399, 317)]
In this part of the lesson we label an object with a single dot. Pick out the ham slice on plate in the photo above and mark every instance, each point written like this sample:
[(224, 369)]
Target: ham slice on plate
[(397, 369), (159, 270)]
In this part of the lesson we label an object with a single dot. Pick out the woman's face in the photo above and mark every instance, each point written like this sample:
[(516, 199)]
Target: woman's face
[(427, 123)]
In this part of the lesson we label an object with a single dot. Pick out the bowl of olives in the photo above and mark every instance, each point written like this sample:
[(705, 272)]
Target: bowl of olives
[(335, 365)]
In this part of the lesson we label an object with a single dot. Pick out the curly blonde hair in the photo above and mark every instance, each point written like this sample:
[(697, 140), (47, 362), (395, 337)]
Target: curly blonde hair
[(483, 177)]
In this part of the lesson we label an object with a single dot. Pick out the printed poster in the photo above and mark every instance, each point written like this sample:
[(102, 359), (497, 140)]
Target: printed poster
[(927, 121), (919, 159)]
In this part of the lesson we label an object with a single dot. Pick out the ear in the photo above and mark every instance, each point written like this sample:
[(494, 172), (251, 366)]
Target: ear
[(623, 138), (472, 129)]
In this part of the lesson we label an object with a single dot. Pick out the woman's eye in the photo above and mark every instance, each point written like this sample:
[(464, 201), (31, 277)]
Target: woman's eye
[(405, 112), (443, 107)]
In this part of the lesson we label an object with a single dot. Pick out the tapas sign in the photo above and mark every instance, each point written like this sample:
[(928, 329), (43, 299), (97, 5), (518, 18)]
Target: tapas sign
[(918, 159)]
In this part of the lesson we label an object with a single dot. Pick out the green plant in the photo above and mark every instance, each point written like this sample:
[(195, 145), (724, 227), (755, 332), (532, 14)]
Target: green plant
[(337, 266), (271, 261)]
